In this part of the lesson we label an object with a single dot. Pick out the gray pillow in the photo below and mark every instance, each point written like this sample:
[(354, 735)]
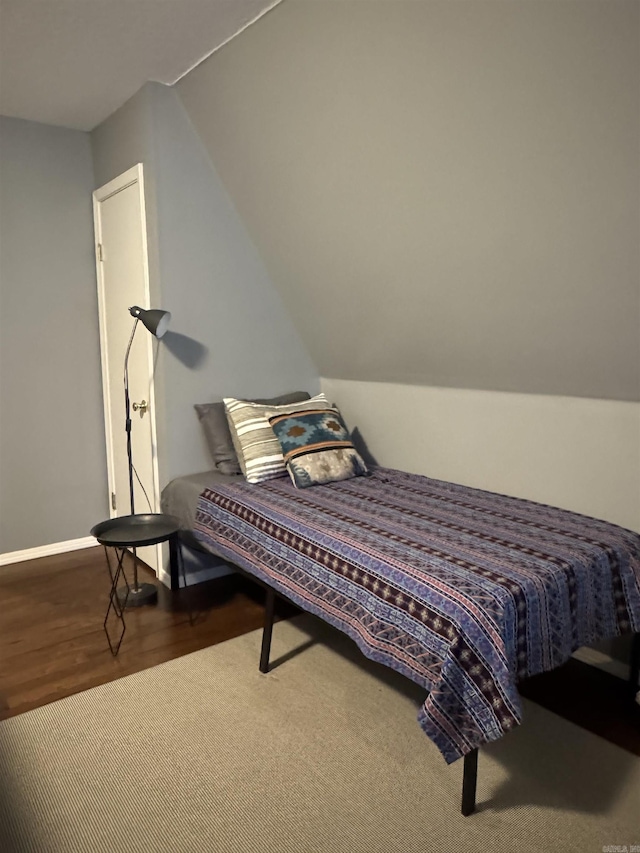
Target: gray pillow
[(213, 418)]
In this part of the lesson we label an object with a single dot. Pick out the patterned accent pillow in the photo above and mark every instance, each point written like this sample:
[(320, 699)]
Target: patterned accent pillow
[(258, 449), (317, 447)]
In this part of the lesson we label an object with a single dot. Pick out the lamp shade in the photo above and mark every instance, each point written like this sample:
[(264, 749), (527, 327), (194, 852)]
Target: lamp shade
[(154, 319)]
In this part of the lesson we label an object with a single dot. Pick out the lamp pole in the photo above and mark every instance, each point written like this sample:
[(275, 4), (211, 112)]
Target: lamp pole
[(127, 422), (157, 322)]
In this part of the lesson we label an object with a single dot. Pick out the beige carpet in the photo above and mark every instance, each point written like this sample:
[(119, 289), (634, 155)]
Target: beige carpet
[(323, 754)]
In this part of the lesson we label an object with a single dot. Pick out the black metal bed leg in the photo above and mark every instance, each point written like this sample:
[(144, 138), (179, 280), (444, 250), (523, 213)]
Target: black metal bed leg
[(634, 671), (177, 569), (469, 781), (176, 562), (267, 629)]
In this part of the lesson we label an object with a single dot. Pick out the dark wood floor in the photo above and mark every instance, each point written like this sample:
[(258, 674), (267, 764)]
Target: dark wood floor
[(52, 642)]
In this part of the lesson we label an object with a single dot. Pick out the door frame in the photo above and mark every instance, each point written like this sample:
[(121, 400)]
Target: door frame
[(133, 176)]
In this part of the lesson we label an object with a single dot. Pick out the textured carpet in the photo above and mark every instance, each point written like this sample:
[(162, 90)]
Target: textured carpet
[(323, 754)]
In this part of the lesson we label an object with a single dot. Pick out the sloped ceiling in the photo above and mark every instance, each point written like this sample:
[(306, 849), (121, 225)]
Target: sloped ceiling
[(73, 62), (444, 193)]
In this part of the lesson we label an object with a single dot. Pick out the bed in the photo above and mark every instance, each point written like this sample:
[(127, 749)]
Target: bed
[(463, 591)]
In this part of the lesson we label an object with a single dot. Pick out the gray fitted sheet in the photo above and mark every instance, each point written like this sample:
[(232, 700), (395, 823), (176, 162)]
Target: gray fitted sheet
[(180, 498)]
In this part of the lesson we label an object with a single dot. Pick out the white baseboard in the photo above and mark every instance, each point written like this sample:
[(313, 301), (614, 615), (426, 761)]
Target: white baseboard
[(47, 550), (603, 661), (198, 576)]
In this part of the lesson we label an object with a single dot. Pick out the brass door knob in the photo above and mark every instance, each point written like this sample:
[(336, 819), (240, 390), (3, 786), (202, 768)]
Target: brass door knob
[(141, 407)]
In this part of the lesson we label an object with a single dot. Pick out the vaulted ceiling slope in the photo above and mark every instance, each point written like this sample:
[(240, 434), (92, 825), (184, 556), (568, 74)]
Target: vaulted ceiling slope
[(445, 193), (73, 62)]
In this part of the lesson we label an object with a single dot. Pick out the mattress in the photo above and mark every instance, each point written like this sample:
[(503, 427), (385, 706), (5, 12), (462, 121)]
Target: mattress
[(180, 499)]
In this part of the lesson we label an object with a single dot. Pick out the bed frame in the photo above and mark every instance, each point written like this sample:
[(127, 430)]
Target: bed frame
[(470, 765)]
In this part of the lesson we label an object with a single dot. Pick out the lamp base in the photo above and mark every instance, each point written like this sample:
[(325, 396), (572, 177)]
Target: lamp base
[(144, 593)]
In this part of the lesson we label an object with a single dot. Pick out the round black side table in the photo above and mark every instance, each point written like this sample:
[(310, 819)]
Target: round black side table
[(135, 531)]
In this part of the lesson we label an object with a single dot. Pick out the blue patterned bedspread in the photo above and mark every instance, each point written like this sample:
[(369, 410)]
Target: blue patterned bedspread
[(463, 591)]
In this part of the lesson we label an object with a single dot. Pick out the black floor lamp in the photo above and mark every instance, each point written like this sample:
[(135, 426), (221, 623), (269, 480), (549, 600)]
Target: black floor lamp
[(157, 322)]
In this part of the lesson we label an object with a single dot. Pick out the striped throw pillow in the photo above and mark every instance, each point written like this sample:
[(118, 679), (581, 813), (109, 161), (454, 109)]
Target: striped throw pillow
[(258, 449)]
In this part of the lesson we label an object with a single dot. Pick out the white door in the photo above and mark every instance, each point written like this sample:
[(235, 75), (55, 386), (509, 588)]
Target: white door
[(123, 281)]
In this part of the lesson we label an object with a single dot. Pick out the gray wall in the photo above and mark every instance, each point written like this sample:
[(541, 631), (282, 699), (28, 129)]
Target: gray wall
[(230, 333), (578, 453), (53, 484), (446, 193), (124, 139), (121, 141)]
